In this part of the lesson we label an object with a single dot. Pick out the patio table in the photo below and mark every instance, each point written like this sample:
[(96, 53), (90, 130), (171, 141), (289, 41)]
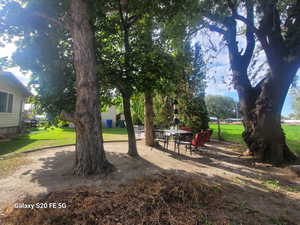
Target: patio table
[(175, 133)]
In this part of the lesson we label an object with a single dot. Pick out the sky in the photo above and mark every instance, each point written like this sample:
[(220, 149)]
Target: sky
[(217, 82), (218, 71)]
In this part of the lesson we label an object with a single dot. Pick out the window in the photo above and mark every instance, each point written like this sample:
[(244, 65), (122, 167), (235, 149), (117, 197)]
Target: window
[(6, 102)]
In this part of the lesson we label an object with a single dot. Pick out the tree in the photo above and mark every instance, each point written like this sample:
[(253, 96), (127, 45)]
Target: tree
[(296, 104), (41, 18), (221, 107), (276, 25), (192, 106), (90, 155), (134, 59)]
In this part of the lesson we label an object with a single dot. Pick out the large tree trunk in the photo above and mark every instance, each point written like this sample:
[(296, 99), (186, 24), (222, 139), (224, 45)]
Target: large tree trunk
[(90, 155), (148, 121), (261, 105), (263, 133), (132, 149)]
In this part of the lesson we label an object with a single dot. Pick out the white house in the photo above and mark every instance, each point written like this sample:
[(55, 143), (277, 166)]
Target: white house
[(12, 97), (109, 117)]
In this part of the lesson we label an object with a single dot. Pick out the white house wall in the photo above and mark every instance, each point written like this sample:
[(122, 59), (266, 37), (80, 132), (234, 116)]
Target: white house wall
[(11, 119), (110, 114)]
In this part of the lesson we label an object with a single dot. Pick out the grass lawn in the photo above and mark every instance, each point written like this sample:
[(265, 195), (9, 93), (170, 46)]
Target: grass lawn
[(40, 138), (233, 132)]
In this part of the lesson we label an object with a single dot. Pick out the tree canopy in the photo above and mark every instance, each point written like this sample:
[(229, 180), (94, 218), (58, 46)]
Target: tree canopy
[(219, 106)]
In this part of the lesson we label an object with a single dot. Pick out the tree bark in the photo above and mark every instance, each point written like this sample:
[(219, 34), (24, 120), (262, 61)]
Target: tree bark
[(263, 133), (148, 121), (90, 155), (219, 129), (261, 106), (132, 149)]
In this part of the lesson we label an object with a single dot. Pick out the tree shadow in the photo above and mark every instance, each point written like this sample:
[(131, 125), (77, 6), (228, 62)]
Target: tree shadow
[(56, 172), (242, 193), (231, 162), (240, 199)]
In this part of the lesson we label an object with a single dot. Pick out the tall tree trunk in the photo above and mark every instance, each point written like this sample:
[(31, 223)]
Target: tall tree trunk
[(90, 155), (219, 129), (132, 149), (148, 121), (261, 105), (263, 133)]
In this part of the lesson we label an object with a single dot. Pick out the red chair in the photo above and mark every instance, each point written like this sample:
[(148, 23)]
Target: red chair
[(201, 138), (198, 139), (208, 135)]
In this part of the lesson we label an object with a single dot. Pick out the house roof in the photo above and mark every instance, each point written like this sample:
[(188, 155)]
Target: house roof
[(9, 76)]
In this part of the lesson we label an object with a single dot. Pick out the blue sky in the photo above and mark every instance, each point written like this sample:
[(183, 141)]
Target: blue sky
[(218, 71), (218, 81)]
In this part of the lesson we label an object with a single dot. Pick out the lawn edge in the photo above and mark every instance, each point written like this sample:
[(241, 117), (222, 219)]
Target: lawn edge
[(15, 154)]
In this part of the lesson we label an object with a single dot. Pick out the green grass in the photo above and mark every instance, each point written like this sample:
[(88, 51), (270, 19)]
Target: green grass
[(40, 138), (233, 132)]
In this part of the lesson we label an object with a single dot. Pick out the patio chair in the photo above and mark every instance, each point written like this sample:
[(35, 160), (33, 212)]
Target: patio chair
[(201, 138), (198, 140), (207, 136), (160, 136), (184, 139), (209, 133)]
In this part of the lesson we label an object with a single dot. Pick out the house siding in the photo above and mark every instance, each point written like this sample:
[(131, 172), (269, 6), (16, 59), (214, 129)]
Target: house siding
[(11, 119), (109, 115)]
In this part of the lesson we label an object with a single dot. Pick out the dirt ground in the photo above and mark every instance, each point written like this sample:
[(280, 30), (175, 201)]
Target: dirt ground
[(273, 191)]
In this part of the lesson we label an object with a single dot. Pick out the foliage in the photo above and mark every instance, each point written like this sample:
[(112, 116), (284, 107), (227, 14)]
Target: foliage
[(220, 106), (44, 49), (137, 109), (194, 114), (163, 111), (192, 109)]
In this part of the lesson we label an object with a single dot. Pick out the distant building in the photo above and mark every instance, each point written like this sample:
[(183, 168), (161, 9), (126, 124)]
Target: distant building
[(12, 97), (109, 117), (291, 122), (213, 119), (232, 120)]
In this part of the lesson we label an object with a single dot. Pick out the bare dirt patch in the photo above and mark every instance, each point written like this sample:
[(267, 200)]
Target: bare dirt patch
[(9, 165), (272, 193)]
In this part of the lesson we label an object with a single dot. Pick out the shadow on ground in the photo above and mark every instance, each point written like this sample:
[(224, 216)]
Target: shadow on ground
[(241, 180)]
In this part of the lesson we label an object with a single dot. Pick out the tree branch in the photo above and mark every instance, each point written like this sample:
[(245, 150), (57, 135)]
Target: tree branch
[(270, 32), (53, 20), (247, 22), (215, 28), (249, 33), (133, 19), (67, 116), (232, 7)]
